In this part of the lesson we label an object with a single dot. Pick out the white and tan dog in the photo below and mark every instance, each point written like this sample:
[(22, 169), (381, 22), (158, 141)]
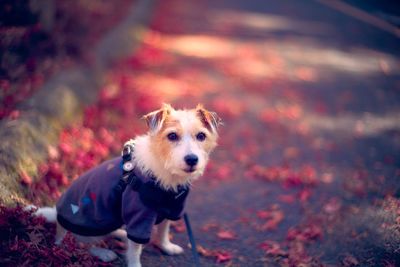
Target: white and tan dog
[(175, 150)]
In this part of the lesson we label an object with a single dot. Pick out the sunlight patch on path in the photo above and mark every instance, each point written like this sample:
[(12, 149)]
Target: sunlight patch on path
[(295, 59), (263, 22), (366, 124)]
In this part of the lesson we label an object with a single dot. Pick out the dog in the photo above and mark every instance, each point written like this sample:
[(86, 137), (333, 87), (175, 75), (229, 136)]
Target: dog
[(138, 203)]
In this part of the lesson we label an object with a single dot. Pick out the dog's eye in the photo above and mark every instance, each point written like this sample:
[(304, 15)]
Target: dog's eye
[(201, 136), (172, 137)]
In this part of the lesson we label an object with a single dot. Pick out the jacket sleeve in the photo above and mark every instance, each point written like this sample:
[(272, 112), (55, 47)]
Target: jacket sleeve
[(139, 219)]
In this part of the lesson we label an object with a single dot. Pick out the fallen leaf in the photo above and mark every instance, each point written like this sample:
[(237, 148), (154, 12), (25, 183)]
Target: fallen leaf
[(273, 248), (287, 198), (226, 235), (304, 195), (179, 226), (208, 226), (274, 218), (203, 251), (220, 256), (25, 178), (349, 261), (223, 256), (35, 238), (332, 206)]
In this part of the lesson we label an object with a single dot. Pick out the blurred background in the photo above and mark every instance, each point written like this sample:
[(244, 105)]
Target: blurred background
[(307, 170)]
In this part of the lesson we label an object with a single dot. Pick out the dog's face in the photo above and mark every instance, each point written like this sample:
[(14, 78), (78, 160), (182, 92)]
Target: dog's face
[(181, 140)]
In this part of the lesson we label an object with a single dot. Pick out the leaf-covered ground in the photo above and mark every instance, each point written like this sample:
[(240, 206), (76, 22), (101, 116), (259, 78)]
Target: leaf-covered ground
[(30, 53), (307, 169)]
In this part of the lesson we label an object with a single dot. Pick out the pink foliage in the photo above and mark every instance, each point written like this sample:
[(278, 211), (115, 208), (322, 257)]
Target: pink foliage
[(26, 240)]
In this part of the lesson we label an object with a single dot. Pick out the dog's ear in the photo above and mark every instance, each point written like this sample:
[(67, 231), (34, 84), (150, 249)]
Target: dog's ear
[(156, 118), (210, 119)]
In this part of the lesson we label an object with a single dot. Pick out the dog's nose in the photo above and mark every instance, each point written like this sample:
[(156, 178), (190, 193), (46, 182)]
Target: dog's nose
[(191, 160)]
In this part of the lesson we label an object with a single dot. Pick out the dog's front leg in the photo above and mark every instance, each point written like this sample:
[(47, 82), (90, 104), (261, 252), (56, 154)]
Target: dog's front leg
[(161, 239), (133, 254)]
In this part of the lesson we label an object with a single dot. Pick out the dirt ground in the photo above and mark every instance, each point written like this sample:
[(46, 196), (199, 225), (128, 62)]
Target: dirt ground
[(307, 168)]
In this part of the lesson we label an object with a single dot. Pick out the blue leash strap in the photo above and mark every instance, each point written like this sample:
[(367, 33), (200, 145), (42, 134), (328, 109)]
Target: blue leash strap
[(192, 241)]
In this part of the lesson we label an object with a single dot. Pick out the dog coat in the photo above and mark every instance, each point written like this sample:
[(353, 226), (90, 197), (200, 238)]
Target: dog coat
[(99, 202)]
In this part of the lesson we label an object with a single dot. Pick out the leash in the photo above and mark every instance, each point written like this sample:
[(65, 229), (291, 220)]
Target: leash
[(127, 168), (192, 240)]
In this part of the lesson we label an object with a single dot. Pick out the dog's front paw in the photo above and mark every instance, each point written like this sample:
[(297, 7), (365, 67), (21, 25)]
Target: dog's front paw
[(170, 248)]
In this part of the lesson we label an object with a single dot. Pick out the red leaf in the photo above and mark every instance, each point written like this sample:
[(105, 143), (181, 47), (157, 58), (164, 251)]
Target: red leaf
[(204, 252), (66, 148), (305, 233), (304, 195), (223, 172), (35, 237), (287, 198), (219, 255), (179, 226), (14, 114), (208, 226), (263, 214), (274, 218), (223, 256), (25, 178), (226, 235), (332, 206), (272, 248), (349, 261)]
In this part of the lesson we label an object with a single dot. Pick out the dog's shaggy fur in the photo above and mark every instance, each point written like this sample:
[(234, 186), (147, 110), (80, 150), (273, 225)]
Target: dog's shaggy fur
[(175, 150)]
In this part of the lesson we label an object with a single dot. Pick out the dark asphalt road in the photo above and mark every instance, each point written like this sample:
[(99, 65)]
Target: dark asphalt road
[(302, 85)]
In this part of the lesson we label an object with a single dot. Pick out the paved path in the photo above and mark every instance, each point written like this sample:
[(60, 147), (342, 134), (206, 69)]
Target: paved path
[(307, 169), (310, 100)]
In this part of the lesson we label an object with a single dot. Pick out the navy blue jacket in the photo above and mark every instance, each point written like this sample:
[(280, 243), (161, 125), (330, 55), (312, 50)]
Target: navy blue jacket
[(99, 202)]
